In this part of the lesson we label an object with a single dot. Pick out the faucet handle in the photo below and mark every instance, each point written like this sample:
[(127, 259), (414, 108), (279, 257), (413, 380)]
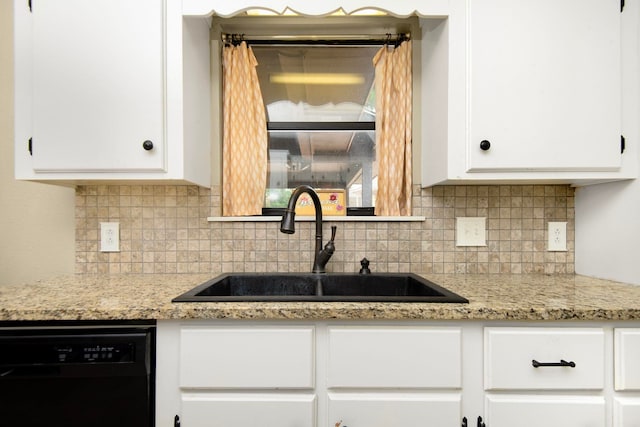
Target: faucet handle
[(364, 263), (333, 232)]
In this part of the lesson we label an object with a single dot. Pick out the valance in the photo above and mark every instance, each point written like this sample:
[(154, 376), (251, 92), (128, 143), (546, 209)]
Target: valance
[(398, 8)]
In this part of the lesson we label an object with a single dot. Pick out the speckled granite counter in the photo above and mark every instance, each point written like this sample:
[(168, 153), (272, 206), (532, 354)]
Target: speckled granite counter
[(492, 297)]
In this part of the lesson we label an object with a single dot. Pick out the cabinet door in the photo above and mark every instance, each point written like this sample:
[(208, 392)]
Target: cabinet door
[(536, 411), (246, 410), (627, 353), (405, 409), (626, 412), (544, 85), (98, 85)]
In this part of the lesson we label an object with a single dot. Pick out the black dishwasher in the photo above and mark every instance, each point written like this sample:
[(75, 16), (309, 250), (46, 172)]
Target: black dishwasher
[(77, 375)]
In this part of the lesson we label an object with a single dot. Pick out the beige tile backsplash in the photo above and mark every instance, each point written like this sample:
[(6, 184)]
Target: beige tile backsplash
[(164, 229)]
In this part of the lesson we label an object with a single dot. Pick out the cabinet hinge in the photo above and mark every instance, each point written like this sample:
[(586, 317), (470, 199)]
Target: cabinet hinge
[(622, 144), (176, 421), (31, 5), (621, 5), (30, 146)]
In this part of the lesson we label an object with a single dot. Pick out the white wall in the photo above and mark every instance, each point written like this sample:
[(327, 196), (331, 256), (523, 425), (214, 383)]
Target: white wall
[(608, 215), (37, 234)]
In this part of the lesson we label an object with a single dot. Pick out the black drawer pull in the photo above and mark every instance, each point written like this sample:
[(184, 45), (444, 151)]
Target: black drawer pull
[(537, 364)]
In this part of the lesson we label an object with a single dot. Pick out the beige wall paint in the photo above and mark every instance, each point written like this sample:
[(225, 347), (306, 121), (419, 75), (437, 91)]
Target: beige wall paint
[(36, 220)]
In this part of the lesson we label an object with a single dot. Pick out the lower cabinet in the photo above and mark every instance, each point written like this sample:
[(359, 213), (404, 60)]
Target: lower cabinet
[(545, 410), (379, 409), (247, 410), (375, 374), (626, 412), (380, 376), (626, 404)]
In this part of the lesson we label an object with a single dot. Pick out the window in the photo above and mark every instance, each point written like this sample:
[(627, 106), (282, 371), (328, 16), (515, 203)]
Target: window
[(320, 103)]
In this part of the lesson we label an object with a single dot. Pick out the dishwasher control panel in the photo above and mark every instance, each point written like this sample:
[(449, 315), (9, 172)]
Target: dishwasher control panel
[(63, 349), (104, 352)]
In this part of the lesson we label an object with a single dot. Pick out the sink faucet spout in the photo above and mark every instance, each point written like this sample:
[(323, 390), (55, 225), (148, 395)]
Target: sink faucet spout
[(287, 225)]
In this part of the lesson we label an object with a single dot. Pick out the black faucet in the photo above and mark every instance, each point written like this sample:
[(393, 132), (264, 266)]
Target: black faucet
[(287, 225)]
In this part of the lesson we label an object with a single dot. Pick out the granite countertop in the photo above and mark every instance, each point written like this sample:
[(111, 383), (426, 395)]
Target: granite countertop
[(491, 297)]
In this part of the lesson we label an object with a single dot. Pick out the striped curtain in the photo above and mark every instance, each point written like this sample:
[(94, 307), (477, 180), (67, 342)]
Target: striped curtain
[(244, 152), (393, 129)]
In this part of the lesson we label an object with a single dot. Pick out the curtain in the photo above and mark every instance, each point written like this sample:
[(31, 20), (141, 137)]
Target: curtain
[(244, 145), (393, 129)]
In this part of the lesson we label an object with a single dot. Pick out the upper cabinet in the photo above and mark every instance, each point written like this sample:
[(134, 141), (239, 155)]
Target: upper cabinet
[(93, 93), (544, 85), (506, 91), (534, 93)]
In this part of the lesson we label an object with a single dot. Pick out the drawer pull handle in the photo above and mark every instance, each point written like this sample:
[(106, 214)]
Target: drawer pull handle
[(537, 364)]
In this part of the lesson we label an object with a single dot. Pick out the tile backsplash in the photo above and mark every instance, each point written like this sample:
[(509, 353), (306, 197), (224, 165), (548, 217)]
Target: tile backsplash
[(164, 229)]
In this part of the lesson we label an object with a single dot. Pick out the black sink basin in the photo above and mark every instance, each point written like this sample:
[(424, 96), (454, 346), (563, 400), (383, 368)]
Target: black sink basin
[(379, 287)]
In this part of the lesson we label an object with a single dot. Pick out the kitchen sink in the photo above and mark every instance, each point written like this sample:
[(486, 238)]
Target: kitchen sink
[(377, 287)]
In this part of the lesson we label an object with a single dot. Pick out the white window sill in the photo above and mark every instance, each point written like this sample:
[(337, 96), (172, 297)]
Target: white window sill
[(313, 218)]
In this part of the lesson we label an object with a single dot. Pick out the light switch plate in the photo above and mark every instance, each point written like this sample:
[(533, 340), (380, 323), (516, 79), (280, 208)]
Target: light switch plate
[(471, 231), (109, 237), (557, 238)]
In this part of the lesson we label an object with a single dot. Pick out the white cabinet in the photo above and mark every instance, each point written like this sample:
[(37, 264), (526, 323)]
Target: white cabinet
[(626, 412), (544, 85), (245, 375), (544, 359), (247, 410), (536, 410), (308, 374), (627, 356), (535, 92), (390, 357), (96, 98), (365, 363), (409, 373), (98, 93), (247, 358), (390, 409), (526, 367), (626, 409)]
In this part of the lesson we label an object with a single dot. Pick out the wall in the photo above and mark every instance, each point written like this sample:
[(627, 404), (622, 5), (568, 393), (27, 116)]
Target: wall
[(607, 224), (607, 231), (164, 230), (36, 220)]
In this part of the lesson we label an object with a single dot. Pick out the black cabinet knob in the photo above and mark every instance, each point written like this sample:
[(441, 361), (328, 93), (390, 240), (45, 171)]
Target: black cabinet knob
[(485, 145), (147, 145)]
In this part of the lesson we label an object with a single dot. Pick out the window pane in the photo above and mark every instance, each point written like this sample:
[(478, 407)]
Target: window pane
[(317, 83), (324, 160), (332, 85)]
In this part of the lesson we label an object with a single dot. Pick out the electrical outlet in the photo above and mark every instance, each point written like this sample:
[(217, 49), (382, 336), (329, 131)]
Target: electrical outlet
[(557, 240), (471, 231), (109, 237)]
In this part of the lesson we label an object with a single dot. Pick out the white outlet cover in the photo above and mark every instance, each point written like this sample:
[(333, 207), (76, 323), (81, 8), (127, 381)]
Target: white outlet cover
[(557, 237), (109, 237), (471, 231)]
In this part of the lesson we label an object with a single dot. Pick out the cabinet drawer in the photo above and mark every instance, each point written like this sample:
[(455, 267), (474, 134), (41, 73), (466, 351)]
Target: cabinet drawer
[(510, 352), (394, 357), (239, 357), (627, 359), (248, 410)]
